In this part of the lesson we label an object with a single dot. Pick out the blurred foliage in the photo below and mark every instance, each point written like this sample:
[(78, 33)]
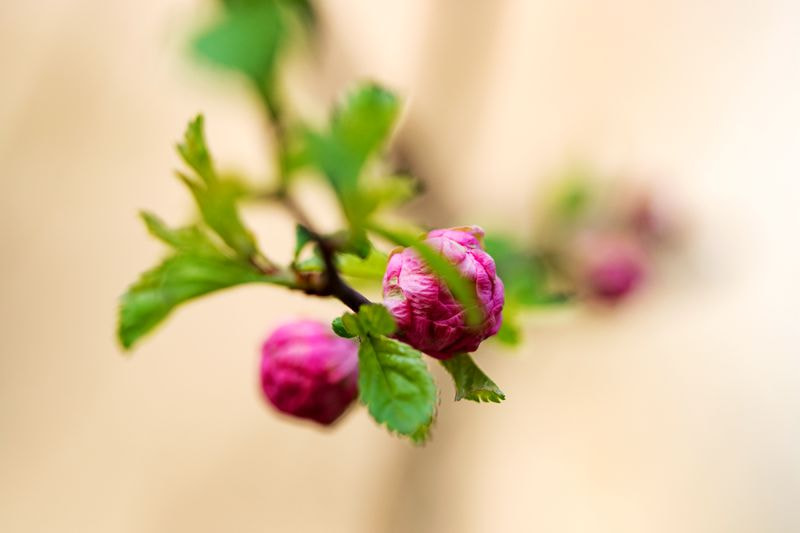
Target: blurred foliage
[(251, 38)]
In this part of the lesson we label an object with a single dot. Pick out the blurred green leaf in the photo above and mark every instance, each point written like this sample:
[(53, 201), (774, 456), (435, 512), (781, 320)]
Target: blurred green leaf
[(510, 331), (351, 324), (372, 267), (341, 330), (187, 239), (302, 237), (364, 120), (359, 127), (194, 150), (470, 381), (524, 274), (395, 385), (391, 190), (215, 198), (246, 38), (375, 319), (177, 279)]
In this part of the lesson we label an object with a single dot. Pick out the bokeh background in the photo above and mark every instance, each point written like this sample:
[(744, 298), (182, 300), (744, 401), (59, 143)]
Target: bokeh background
[(679, 411)]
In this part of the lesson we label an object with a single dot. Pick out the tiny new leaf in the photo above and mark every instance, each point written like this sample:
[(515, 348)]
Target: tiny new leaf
[(339, 328), (470, 381), (302, 237)]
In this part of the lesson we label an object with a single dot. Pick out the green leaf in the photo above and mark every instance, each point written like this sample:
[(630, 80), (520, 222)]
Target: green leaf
[(247, 38), (351, 324), (395, 385), (375, 319), (215, 198), (460, 288), (525, 275), (390, 191), (470, 381), (358, 128), (372, 267), (302, 237), (510, 332), (362, 123), (194, 150), (339, 328), (187, 239), (176, 280)]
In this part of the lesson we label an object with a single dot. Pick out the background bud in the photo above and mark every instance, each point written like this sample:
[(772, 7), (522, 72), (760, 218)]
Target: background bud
[(308, 372), (427, 315), (612, 266)]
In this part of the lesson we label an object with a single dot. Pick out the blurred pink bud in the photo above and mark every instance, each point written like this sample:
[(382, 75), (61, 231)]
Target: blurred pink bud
[(613, 266), (652, 218), (309, 372), (427, 315)]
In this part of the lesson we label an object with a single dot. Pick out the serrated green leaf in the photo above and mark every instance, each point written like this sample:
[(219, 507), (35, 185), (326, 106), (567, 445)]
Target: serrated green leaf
[(395, 385), (337, 325), (187, 239), (217, 199), (375, 319), (470, 381), (247, 38), (194, 150), (177, 279)]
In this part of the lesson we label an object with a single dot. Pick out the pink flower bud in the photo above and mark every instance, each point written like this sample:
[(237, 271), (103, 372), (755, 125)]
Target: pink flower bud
[(427, 315), (309, 372), (613, 266)]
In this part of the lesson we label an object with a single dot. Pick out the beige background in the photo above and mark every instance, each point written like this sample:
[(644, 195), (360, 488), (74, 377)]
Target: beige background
[(677, 413)]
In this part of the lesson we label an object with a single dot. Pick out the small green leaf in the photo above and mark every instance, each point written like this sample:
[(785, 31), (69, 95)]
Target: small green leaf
[(372, 267), (187, 239), (470, 381), (247, 38), (351, 324), (375, 319), (194, 149), (509, 332), (390, 191), (216, 199), (302, 237), (338, 327), (178, 279), (395, 385)]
